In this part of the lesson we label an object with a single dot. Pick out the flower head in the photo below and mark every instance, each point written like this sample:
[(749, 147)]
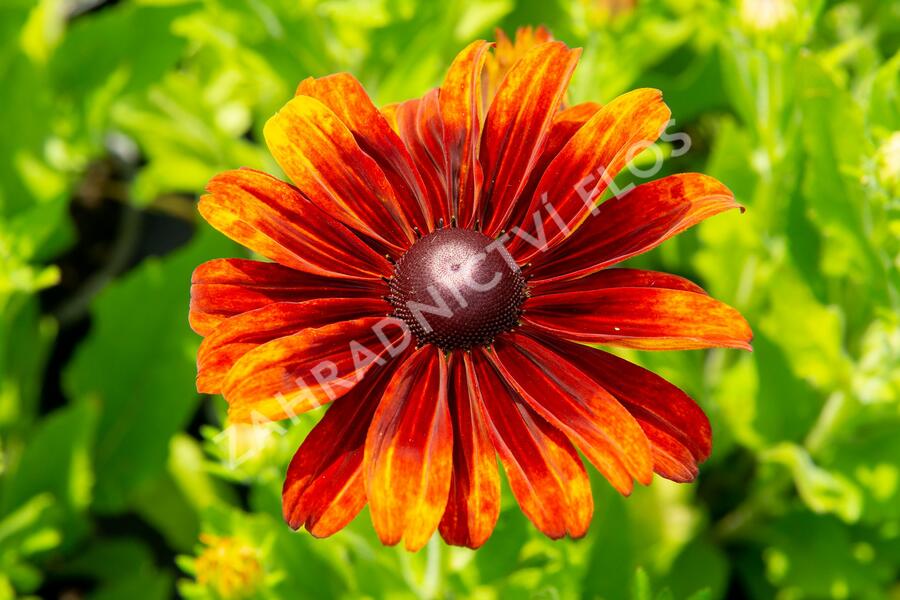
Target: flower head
[(438, 270), (229, 567)]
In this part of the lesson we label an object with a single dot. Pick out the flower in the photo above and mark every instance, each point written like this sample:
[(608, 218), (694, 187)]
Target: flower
[(441, 270), (229, 567)]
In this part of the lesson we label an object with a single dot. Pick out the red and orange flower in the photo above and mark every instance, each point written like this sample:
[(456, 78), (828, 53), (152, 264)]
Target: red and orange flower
[(439, 267)]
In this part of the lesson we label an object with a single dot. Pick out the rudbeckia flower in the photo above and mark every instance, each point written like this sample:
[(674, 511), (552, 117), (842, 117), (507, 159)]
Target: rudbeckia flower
[(441, 270)]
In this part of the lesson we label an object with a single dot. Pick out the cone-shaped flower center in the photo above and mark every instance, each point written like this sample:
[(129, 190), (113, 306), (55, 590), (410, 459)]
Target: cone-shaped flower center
[(457, 289)]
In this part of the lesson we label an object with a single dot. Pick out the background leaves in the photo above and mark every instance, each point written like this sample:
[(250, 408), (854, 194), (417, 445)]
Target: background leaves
[(115, 477)]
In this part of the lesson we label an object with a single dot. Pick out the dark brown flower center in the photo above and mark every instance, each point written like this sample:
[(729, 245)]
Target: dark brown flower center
[(457, 289)]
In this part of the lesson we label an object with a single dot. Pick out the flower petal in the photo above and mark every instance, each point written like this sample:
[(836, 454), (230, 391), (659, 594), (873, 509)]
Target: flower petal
[(589, 416), (344, 95), (240, 334), (324, 161), (565, 124), (225, 287), (517, 125), (421, 129), (460, 105), (507, 52), (294, 374), (474, 502), (272, 218), (671, 458), (635, 222), (324, 488), (677, 428), (645, 318), (580, 172), (409, 452), (544, 471), (389, 111), (614, 278)]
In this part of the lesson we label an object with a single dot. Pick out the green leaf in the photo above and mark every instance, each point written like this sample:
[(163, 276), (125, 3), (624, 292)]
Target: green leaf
[(836, 145), (871, 460), (110, 559), (813, 345), (814, 555), (701, 570), (25, 339), (823, 491), (640, 586), (132, 39), (57, 460), (138, 364), (152, 585)]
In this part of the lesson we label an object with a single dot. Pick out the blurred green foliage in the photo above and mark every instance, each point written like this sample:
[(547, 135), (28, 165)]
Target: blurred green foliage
[(114, 117)]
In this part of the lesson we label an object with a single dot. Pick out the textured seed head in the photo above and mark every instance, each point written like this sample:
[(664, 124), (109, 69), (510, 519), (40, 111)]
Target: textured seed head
[(457, 289)]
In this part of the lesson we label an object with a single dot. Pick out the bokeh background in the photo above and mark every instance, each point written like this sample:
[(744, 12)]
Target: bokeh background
[(115, 478)]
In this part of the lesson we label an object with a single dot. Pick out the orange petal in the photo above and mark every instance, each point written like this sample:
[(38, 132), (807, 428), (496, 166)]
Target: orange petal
[(225, 287), (644, 318), (294, 374), (543, 468), (409, 452), (671, 458), (324, 161), (241, 334), (508, 52), (344, 95), (565, 124), (595, 421), (633, 223), (614, 278), (517, 125), (272, 218), (390, 114), (581, 171), (420, 126), (678, 430), (474, 502), (324, 488), (460, 98)]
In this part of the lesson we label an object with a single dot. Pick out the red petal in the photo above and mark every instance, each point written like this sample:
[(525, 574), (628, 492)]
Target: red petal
[(272, 218), (474, 502), (635, 222), (324, 488), (322, 158), (344, 95), (544, 471), (677, 428), (645, 318), (409, 452), (565, 124), (239, 335), (460, 111), (595, 422), (226, 287), (614, 278), (580, 172), (420, 127), (671, 459), (517, 124), (294, 374)]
